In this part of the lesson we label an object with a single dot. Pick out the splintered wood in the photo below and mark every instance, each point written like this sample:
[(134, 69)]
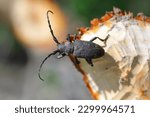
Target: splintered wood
[(124, 71)]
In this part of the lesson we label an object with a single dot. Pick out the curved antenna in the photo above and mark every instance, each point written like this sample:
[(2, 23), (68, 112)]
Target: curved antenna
[(44, 62), (54, 38)]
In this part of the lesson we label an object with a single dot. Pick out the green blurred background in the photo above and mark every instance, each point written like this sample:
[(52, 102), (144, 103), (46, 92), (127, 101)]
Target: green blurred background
[(19, 63)]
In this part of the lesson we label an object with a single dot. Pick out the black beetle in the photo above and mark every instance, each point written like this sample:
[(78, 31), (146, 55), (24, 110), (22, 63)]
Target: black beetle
[(78, 48)]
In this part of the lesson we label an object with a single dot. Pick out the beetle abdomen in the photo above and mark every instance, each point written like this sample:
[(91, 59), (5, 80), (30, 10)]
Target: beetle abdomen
[(85, 49)]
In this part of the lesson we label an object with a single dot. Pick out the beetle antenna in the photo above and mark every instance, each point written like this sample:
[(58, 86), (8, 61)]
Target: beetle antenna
[(53, 53), (54, 38)]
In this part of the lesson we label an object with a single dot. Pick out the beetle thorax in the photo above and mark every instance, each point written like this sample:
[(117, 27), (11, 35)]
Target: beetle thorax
[(66, 47)]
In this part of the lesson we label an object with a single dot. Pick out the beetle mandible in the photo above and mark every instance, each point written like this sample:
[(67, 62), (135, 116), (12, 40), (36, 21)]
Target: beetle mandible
[(78, 48)]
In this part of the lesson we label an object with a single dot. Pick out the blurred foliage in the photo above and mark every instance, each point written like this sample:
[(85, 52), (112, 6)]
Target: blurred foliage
[(52, 78), (5, 42), (89, 9), (11, 51)]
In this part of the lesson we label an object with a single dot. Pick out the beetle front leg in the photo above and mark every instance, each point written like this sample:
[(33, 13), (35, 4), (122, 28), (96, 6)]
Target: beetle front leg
[(68, 38), (89, 61), (77, 61)]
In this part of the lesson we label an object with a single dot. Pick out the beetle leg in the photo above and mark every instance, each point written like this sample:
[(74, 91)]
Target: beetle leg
[(68, 38), (89, 61), (75, 36), (77, 61), (94, 39), (104, 40)]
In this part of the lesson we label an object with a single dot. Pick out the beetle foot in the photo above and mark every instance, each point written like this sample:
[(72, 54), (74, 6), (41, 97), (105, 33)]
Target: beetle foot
[(89, 61)]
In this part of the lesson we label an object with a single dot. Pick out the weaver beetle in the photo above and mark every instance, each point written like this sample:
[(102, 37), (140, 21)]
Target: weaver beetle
[(78, 48)]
